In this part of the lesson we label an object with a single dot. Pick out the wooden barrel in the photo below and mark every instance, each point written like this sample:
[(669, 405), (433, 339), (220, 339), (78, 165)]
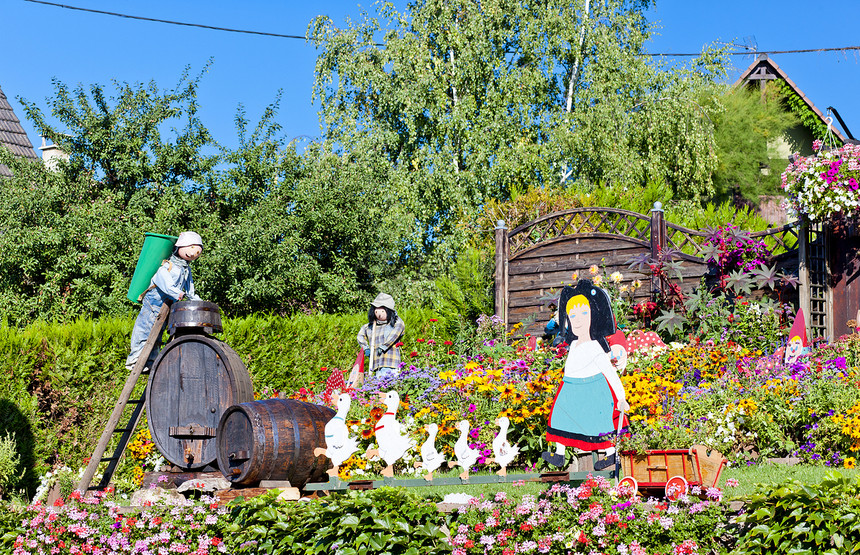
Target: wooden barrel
[(194, 317), (193, 381), (273, 440)]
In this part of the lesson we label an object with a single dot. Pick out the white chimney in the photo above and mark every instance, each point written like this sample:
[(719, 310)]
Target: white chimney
[(51, 155)]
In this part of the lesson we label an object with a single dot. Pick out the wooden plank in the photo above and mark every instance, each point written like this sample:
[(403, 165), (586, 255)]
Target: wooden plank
[(578, 244), (554, 280), (573, 262)]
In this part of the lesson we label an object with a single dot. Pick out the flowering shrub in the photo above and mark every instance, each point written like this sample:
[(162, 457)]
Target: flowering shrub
[(733, 249), (94, 524), (826, 184), (591, 518)]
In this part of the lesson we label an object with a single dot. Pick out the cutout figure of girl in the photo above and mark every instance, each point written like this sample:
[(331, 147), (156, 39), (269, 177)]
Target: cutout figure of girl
[(590, 401)]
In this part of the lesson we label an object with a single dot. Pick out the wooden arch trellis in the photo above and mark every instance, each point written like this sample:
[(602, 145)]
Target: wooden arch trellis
[(534, 259)]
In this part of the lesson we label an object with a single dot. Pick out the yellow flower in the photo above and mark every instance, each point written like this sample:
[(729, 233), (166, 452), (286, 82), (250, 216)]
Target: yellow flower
[(575, 276), (616, 277), (849, 462), (593, 270), (598, 280), (637, 284)]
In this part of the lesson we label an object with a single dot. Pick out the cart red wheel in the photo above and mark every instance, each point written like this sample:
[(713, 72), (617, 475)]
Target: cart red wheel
[(676, 487), (628, 486)]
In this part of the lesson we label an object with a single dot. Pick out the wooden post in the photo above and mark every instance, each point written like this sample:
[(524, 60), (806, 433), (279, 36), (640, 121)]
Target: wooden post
[(803, 277), (658, 242), (501, 286)]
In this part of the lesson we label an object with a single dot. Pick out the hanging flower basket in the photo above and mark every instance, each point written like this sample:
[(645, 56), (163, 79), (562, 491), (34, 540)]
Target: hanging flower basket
[(825, 188)]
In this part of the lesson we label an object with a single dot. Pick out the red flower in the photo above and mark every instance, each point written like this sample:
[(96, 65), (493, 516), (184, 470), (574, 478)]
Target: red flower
[(216, 541), (446, 342), (433, 320), (58, 502), (413, 354), (584, 493), (525, 526), (451, 353), (469, 544), (399, 344), (420, 340), (324, 369), (479, 527)]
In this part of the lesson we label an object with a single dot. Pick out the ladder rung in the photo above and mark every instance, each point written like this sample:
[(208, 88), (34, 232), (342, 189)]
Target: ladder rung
[(105, 459), (123, 430), (134, 401)]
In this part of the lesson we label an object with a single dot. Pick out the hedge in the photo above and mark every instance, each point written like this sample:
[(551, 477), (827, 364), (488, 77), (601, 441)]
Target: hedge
[(59, 382)]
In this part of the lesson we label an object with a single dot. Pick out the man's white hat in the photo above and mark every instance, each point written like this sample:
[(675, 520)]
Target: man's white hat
[(188, 238)]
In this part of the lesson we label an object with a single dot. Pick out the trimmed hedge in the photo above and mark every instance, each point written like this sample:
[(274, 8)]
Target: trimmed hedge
[(59, 382)]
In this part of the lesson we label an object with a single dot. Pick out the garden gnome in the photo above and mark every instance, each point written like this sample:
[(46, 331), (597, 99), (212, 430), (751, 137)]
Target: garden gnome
[(618, 350), (590, 401), (379, 338), (172, 282), (797, 343)]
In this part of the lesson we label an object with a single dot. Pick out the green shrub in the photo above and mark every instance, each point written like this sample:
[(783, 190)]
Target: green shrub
[(10, 464), (59, 382), (386, 520), (798, 518)]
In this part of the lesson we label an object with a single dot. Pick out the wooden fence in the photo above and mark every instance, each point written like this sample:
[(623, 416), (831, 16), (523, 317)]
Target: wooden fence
[(536, 258)]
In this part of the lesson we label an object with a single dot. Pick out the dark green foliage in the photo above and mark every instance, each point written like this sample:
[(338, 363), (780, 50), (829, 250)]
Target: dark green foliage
[(468, 293), (748, 121), (797, 518), (59, 382), (386, 521)]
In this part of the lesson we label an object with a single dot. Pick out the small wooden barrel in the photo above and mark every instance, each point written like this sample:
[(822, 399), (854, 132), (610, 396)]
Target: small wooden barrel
[(273, 439), (193, 381), (194, 317)]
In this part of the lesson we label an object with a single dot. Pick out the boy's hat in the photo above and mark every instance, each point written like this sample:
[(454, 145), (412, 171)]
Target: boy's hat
[(618, 338), (383, 300), (798, 328), (188, 238)]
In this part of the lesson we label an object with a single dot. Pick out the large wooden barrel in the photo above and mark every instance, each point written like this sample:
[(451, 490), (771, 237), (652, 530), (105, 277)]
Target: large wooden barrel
[(193, 381), (273, 439)]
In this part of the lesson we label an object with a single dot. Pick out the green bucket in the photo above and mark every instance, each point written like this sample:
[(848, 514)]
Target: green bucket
[(156, 249)]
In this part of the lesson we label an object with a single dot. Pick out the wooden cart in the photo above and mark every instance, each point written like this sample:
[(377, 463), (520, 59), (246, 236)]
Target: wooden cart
[(672, 470)]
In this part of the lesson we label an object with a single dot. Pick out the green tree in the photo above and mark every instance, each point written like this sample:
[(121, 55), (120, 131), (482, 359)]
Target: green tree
[(469, 101), (746, 123), (118, 140)]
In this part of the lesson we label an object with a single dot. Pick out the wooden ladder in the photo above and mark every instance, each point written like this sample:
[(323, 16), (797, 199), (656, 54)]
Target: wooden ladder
[(124, 400)]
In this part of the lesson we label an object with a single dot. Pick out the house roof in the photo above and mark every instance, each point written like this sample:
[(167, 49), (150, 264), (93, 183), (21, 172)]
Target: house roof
[(12, 135), (763, 68)]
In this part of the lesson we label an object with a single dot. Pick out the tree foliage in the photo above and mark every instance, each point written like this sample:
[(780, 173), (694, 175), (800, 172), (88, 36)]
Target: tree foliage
[(747, 121), (282, 231), (471, 101)]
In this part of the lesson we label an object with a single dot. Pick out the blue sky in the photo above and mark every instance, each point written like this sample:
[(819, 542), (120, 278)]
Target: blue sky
[(41, 42)]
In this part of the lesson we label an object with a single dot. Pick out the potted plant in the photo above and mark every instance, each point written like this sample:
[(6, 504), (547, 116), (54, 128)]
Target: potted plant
[(825, 187)]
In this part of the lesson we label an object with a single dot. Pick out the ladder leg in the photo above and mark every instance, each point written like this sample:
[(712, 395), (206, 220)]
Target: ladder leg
[(127, 390)]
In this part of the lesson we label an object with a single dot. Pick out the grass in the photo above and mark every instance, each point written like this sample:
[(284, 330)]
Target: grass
[(749, 477)]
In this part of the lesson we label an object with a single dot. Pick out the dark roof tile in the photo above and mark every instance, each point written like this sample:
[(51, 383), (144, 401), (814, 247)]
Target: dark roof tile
[(12, 135)]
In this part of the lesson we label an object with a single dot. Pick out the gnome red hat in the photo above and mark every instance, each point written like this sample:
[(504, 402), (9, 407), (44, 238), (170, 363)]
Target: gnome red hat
[(640, 339), (618, 338), (332, 383), (798, 328)]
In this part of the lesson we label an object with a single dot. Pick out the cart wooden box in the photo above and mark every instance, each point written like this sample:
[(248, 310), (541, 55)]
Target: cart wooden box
[(672, 470)]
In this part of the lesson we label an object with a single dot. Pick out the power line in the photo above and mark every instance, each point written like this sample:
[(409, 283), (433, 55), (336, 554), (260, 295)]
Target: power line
[(212, 27), (755, 52), (279, 35)]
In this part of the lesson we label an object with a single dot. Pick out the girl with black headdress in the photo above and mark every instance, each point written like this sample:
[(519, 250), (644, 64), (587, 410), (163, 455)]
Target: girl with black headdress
[(590, 400)]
